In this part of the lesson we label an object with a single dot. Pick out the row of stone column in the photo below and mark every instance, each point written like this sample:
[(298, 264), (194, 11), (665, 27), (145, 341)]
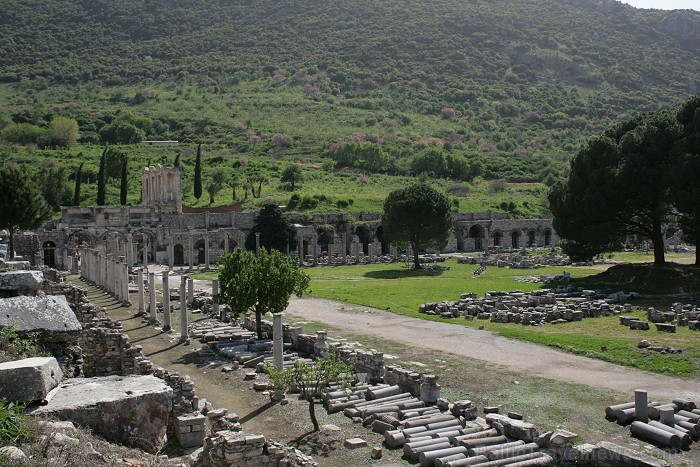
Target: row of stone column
[(107, 273)]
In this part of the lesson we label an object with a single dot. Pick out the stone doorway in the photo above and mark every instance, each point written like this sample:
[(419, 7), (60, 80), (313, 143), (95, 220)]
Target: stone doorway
[(49, 251)]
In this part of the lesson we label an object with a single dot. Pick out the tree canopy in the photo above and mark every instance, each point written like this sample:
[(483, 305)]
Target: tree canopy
[(418, 215), (21, 201), (261, 284), (275, 231), (620, 185)]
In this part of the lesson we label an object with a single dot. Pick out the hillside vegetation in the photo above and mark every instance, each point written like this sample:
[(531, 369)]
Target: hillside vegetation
[(501, 89)]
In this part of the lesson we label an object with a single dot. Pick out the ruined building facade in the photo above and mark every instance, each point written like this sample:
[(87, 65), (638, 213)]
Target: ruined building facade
[(162, 230)]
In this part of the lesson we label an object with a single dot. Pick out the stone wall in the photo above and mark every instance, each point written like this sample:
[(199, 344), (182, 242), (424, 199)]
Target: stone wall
[(227, 448)]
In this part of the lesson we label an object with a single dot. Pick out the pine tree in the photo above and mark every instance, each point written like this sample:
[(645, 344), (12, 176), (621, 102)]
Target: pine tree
[(101, 179), (198, 173), (124, 185), (78, 181)]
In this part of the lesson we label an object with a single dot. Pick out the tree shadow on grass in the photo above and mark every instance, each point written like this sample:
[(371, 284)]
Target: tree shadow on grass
[(259, 411), (312, 443), (401, 274)]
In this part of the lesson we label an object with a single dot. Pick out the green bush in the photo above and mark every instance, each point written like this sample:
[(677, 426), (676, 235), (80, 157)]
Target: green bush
[(14, 426)]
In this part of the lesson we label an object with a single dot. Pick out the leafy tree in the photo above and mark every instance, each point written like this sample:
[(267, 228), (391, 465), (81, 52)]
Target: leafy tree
[(102, 178), (218, 181), (311, 379), (261, 284), (78, 181), (618, 186), (234, 182), (198, 173), (120, 132), (418, 215), (22, 133), (292, 174), (275, 231), (124, 186), (54, 186), (685, 189), (63, 132), (23, 205)]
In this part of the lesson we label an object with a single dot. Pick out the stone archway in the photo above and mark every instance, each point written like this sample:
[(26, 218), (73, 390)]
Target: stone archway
[(200, 251), (547, 237), (515, 239), (179, 255), (497, 238), (49, 254), (476, 233), (382, 240), (365, 235), (531, 238)]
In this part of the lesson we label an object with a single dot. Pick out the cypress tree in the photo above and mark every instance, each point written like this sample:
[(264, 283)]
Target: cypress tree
[(78, 181), (124, 185), (176, 162), (198, 173), (101, 179)]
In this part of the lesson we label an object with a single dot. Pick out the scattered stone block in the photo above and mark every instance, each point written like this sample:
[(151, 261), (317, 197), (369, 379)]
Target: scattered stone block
[(355, 443), (612, 454), (694, 325), (14, 455), (376, 453), (260, 386), (561, 438), (14, 283), (45, 313), (517, 429), (30, 379), (190, 430), (249, 376), (639, 325), (665, 327), (645, 344), (491, 409), (132, 410)]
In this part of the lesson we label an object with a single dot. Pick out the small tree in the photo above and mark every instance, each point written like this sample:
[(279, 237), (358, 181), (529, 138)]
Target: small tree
[(22, 205), (310, 380), (63, 132), (218, 181), (292, 174), (275, 231), (261, 284), (418, 215), (198, 174)]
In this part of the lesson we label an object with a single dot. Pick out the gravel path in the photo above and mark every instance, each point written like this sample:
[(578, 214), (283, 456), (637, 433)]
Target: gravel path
[(483, 345)]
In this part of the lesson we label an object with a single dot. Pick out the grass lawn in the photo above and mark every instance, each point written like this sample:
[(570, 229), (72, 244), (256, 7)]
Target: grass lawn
[(392, 287)]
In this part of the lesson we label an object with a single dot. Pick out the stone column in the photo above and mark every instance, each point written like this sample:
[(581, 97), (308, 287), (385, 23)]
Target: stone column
[(166, 303), (183, 309), (125, 276), (429, 389), (129, 251), (75, 268), (314, 239), (191, 250), (145, 251), (190, 291), (370, 251), (142, 307), (641, 406), (206, 250), (152, 297), (277, 341), (225, 243), (300, 249), (215, 295), (257, 243)]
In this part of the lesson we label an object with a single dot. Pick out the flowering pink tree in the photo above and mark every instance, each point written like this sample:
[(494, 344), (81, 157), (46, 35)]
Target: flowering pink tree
[(358, 137), (281, 140), (333, 148), (448, 112)]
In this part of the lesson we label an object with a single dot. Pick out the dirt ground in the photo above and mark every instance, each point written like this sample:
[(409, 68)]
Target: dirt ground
[(509, 354)]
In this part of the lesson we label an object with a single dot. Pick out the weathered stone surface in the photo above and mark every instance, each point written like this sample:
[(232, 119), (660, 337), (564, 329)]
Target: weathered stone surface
[(606, 454), (17, 265), (14, 455), (29, 379), (46, 313), (21, 282), (517, 429), (354, 443), (132, 410)]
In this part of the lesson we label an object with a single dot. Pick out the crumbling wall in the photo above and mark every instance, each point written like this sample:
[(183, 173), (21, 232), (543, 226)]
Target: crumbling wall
[(227, 448)]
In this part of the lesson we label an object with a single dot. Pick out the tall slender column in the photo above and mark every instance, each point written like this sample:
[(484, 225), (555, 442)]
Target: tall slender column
[(215, 296), (144, 251), (152, 296), (343, 250), (142, 308), (300, 248), (277, 341), (183, 309), (166, 302), (315, 245), (125, 275), (171, 252), (190, 291), (129, 251)]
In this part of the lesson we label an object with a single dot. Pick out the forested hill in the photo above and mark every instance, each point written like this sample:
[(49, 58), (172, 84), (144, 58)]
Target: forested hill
[(516, 81)]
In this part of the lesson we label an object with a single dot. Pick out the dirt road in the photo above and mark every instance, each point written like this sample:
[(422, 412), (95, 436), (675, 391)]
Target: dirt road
[(483, 345)]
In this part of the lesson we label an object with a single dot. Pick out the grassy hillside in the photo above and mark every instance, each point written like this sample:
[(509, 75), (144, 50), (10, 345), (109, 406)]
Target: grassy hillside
[(512, 88)]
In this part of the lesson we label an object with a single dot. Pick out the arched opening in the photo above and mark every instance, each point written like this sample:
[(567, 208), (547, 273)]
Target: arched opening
[(460, 239), (232, 245), (477, 233), (515, 239), (179, 255), (305, 248), (365, 236), (200, 252), (49, 250), (382, 240), (497, 238), (547, 237), (325, 238), (531, 238)]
